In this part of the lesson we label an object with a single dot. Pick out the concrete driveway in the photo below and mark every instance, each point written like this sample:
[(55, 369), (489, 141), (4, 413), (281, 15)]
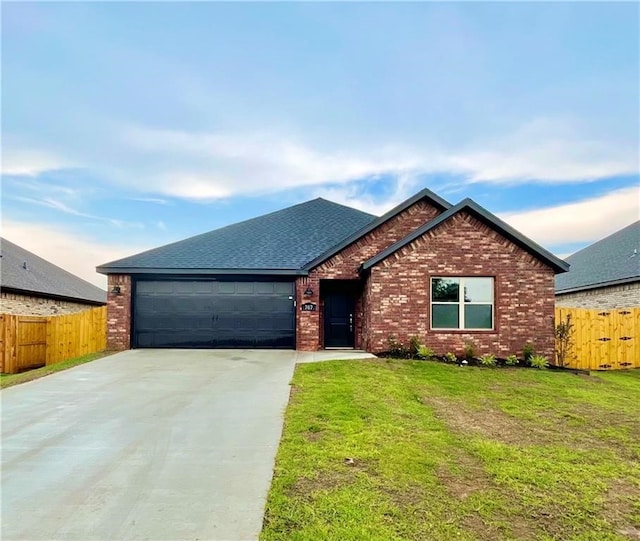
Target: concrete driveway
[(146, 444)]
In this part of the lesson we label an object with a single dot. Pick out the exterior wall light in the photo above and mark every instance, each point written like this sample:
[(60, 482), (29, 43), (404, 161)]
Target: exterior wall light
[(308, 292), (116, 290)]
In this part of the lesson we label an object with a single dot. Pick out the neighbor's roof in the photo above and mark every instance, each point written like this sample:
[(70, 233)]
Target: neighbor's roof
[(279, 242), (612, 260), (483, 215), (25, 272)]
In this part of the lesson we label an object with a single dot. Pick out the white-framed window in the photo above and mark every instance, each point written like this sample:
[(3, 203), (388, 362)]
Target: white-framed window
[(462, 303)]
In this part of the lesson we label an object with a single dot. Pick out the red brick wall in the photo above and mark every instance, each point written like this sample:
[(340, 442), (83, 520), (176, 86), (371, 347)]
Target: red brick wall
[(307, 323), (397, 291), (344, 265), (119, 313)]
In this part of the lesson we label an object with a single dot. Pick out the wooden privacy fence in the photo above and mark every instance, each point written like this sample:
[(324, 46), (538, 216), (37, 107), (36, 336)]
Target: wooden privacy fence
[(603, 339), (29, 342)]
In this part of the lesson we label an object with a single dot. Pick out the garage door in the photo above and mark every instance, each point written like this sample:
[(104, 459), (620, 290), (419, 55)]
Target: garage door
[(214, 314)]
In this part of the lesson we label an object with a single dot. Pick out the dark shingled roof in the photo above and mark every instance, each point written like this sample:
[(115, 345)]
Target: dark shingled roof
[(427, 194), (469, 205), (43, 278), (612, 260), (283, 240)]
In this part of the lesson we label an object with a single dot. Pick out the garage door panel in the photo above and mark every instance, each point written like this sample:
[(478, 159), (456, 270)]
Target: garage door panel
[(210, 314), (226, 288)]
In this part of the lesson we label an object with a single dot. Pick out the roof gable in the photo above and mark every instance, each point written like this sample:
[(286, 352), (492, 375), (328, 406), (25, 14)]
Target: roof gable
[(282, 241), (612, 260), (427, 194), (26, 272), (486, 217)]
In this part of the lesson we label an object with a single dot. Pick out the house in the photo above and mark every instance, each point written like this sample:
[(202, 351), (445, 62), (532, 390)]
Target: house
[(30, 285), (322, 275), (605, 274)]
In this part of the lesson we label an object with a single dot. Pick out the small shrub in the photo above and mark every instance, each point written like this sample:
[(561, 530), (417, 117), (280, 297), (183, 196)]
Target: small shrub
[(511, 360), (528, 351), (539, 361), (450, 357), (425, 353), (488, 360), (564, 341), (470, 349), (414, 346), (397, 349)]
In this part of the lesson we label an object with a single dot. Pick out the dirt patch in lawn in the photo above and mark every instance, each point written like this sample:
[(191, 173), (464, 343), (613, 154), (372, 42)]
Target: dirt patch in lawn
[(344, 474), (618, 507), (306, 487), (313, 437), (464, 476), (549, 427), (490, 422)]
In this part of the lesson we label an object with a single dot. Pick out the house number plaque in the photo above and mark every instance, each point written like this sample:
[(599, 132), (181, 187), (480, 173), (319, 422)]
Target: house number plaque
[(308, 307)]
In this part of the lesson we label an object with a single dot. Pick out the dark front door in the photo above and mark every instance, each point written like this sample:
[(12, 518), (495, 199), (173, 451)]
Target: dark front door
[(338, 320)]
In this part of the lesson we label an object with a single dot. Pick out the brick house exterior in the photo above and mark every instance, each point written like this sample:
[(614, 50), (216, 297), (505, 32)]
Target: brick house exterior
[(398, 291), (384, 270), (344, 266)]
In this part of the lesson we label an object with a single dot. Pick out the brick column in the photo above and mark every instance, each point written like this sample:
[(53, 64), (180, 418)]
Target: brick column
[(308, 323), (119, 313)]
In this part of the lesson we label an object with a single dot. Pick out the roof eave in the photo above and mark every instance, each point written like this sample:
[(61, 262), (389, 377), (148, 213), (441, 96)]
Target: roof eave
[(599, 285), (53, 296), (434, 198), (557, 264), (200, 272)]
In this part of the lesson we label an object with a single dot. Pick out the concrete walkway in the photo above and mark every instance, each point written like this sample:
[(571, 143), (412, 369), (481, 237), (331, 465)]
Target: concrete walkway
[(146, 444)]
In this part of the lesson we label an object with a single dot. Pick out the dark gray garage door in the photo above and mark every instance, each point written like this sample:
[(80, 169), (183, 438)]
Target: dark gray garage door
[(214, 314)]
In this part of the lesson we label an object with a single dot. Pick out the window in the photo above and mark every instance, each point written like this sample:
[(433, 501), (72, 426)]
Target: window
[(462, 303)]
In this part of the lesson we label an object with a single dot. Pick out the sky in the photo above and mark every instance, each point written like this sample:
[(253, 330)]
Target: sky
[(126, 126)]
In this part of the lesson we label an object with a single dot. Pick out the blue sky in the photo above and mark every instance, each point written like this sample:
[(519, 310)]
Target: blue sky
[(129, 125)]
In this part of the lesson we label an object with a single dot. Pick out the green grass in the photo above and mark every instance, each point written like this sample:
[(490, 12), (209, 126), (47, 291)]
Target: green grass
[(388, 450), (8, 380)]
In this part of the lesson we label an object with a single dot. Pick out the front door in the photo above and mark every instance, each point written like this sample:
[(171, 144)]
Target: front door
[(338, 320)]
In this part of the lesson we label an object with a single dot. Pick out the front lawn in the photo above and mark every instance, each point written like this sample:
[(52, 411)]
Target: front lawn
[(388, 450), (8, 380)]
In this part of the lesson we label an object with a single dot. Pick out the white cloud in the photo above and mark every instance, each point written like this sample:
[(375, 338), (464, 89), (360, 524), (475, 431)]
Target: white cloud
[(53, 204), (155, 200), (581, 222), (211, 166), (63, 207), (30, 162), (356, 195), (550, 151), (207, 165), (71, 251), (352, 196)]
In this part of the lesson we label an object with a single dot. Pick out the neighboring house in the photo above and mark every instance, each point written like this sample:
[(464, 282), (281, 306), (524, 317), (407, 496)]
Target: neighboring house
[(605, 274), (30, 285), (319, 275)]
